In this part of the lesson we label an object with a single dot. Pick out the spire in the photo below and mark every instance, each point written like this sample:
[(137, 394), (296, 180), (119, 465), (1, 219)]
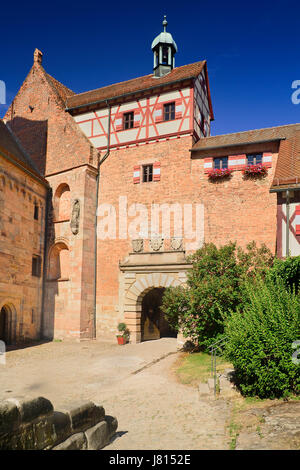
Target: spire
[(165, 23), (164, 49)]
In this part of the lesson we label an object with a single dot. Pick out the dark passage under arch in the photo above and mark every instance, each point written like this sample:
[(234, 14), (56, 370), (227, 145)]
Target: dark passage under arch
[(4, 319), (154, 325)]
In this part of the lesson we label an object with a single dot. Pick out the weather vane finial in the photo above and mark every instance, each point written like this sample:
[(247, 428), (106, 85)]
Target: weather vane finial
[(165, 23)]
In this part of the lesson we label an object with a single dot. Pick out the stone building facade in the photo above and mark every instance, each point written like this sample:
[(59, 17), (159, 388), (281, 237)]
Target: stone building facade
[(129, 166), (23, 194)]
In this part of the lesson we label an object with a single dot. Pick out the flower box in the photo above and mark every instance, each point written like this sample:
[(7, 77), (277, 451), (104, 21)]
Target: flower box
[(218, 173), (252, 170)]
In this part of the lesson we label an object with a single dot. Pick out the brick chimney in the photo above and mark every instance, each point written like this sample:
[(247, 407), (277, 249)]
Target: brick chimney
[(37, 57)]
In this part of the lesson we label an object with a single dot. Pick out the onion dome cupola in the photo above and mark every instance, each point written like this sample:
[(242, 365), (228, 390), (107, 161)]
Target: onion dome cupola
[(164, 49)]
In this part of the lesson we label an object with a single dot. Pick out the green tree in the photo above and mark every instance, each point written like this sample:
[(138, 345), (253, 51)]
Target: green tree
[(213, 288)]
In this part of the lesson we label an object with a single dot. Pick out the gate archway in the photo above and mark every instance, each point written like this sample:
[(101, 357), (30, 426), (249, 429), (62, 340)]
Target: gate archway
[(134, 300), (7, 323), (153, 323)]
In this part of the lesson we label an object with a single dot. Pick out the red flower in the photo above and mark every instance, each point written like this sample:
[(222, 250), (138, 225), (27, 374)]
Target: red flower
[(255, 170), (219, 173)]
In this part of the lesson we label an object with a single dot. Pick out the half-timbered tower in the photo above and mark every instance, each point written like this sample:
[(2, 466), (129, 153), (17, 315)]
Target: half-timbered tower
[(131, 167)]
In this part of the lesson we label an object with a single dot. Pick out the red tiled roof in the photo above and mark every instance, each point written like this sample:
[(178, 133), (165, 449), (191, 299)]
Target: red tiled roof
[(245, 137), (135, 85), (288, 165)]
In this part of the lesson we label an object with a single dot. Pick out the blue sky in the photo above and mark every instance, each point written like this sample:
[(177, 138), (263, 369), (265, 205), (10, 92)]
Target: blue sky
[(252, 50)]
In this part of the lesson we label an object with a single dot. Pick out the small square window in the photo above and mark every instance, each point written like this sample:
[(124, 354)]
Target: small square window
[(255, 159), (169, 111), (221, 162), (36, 266), (128, 120), (147, 173)]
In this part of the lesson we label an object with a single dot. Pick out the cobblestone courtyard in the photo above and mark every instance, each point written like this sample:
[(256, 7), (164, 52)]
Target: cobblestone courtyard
[(137, 384)]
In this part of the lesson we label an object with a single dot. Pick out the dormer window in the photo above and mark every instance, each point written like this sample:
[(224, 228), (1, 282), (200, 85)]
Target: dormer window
[(128, 120), (169, 111)]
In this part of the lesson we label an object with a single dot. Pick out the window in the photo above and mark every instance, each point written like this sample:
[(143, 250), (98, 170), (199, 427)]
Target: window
[(169, 111), (221, 162), (36, 266), (128, 120), (165, 55), (147, 173), (255, 159), (36, 212)]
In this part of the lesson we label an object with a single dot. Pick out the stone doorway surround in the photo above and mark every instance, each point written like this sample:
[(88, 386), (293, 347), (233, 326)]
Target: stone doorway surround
[(141, 272)]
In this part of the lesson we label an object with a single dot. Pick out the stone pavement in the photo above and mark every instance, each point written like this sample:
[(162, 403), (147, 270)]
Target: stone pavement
[(133, 382)]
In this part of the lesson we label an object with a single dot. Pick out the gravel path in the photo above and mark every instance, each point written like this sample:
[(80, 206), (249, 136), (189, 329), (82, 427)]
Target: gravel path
[(135, 383)]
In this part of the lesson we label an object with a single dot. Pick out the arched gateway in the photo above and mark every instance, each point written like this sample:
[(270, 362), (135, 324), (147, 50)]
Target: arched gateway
[(144, 276), (8, 323)]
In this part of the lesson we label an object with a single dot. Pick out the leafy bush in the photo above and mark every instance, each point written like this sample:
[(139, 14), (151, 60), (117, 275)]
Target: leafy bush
[(213, 288), (289, 270), (260, 337)]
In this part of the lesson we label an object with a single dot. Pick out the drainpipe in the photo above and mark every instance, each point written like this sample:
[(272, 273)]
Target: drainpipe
[(287, 236), (95, 236)]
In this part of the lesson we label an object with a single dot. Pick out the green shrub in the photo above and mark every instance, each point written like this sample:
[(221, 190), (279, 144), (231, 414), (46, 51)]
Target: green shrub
[(260, 337), (175, 304), (289, 270), (213, 288)]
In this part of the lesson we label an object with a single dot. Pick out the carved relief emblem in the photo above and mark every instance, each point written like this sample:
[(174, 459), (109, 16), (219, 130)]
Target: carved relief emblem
[(75, 217), (176, 244), (156, 243), (138, 245)]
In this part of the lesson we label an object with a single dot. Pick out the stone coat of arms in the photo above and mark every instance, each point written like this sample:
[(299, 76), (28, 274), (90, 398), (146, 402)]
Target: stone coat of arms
[(156, 243), (137, 245), (176, 244)]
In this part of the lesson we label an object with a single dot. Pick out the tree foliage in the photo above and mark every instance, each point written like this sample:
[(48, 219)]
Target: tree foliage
[(260, 338)]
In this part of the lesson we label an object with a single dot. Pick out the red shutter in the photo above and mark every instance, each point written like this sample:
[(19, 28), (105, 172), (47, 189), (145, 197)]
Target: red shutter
[(208, 164), (159, 113), (136, 174), (237, 162), (267, 159), (298, 210), (137, 119), (156, 171), (178, 109), (118, 122)]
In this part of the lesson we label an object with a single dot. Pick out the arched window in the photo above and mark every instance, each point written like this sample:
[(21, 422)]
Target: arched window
[(59, 262), (62, 203)]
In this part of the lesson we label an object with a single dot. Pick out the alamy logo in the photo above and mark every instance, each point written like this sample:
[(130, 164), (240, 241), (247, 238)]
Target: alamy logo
[(296, 94), (2, 92), (2, 352)]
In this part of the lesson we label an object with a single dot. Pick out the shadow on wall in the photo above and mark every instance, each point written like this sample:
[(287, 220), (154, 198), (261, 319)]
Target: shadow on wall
[(33, 137), (57, 283)]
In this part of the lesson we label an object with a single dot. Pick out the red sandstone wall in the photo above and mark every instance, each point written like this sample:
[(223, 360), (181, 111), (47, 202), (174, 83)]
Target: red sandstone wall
[(236, 210), (21, 236)]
